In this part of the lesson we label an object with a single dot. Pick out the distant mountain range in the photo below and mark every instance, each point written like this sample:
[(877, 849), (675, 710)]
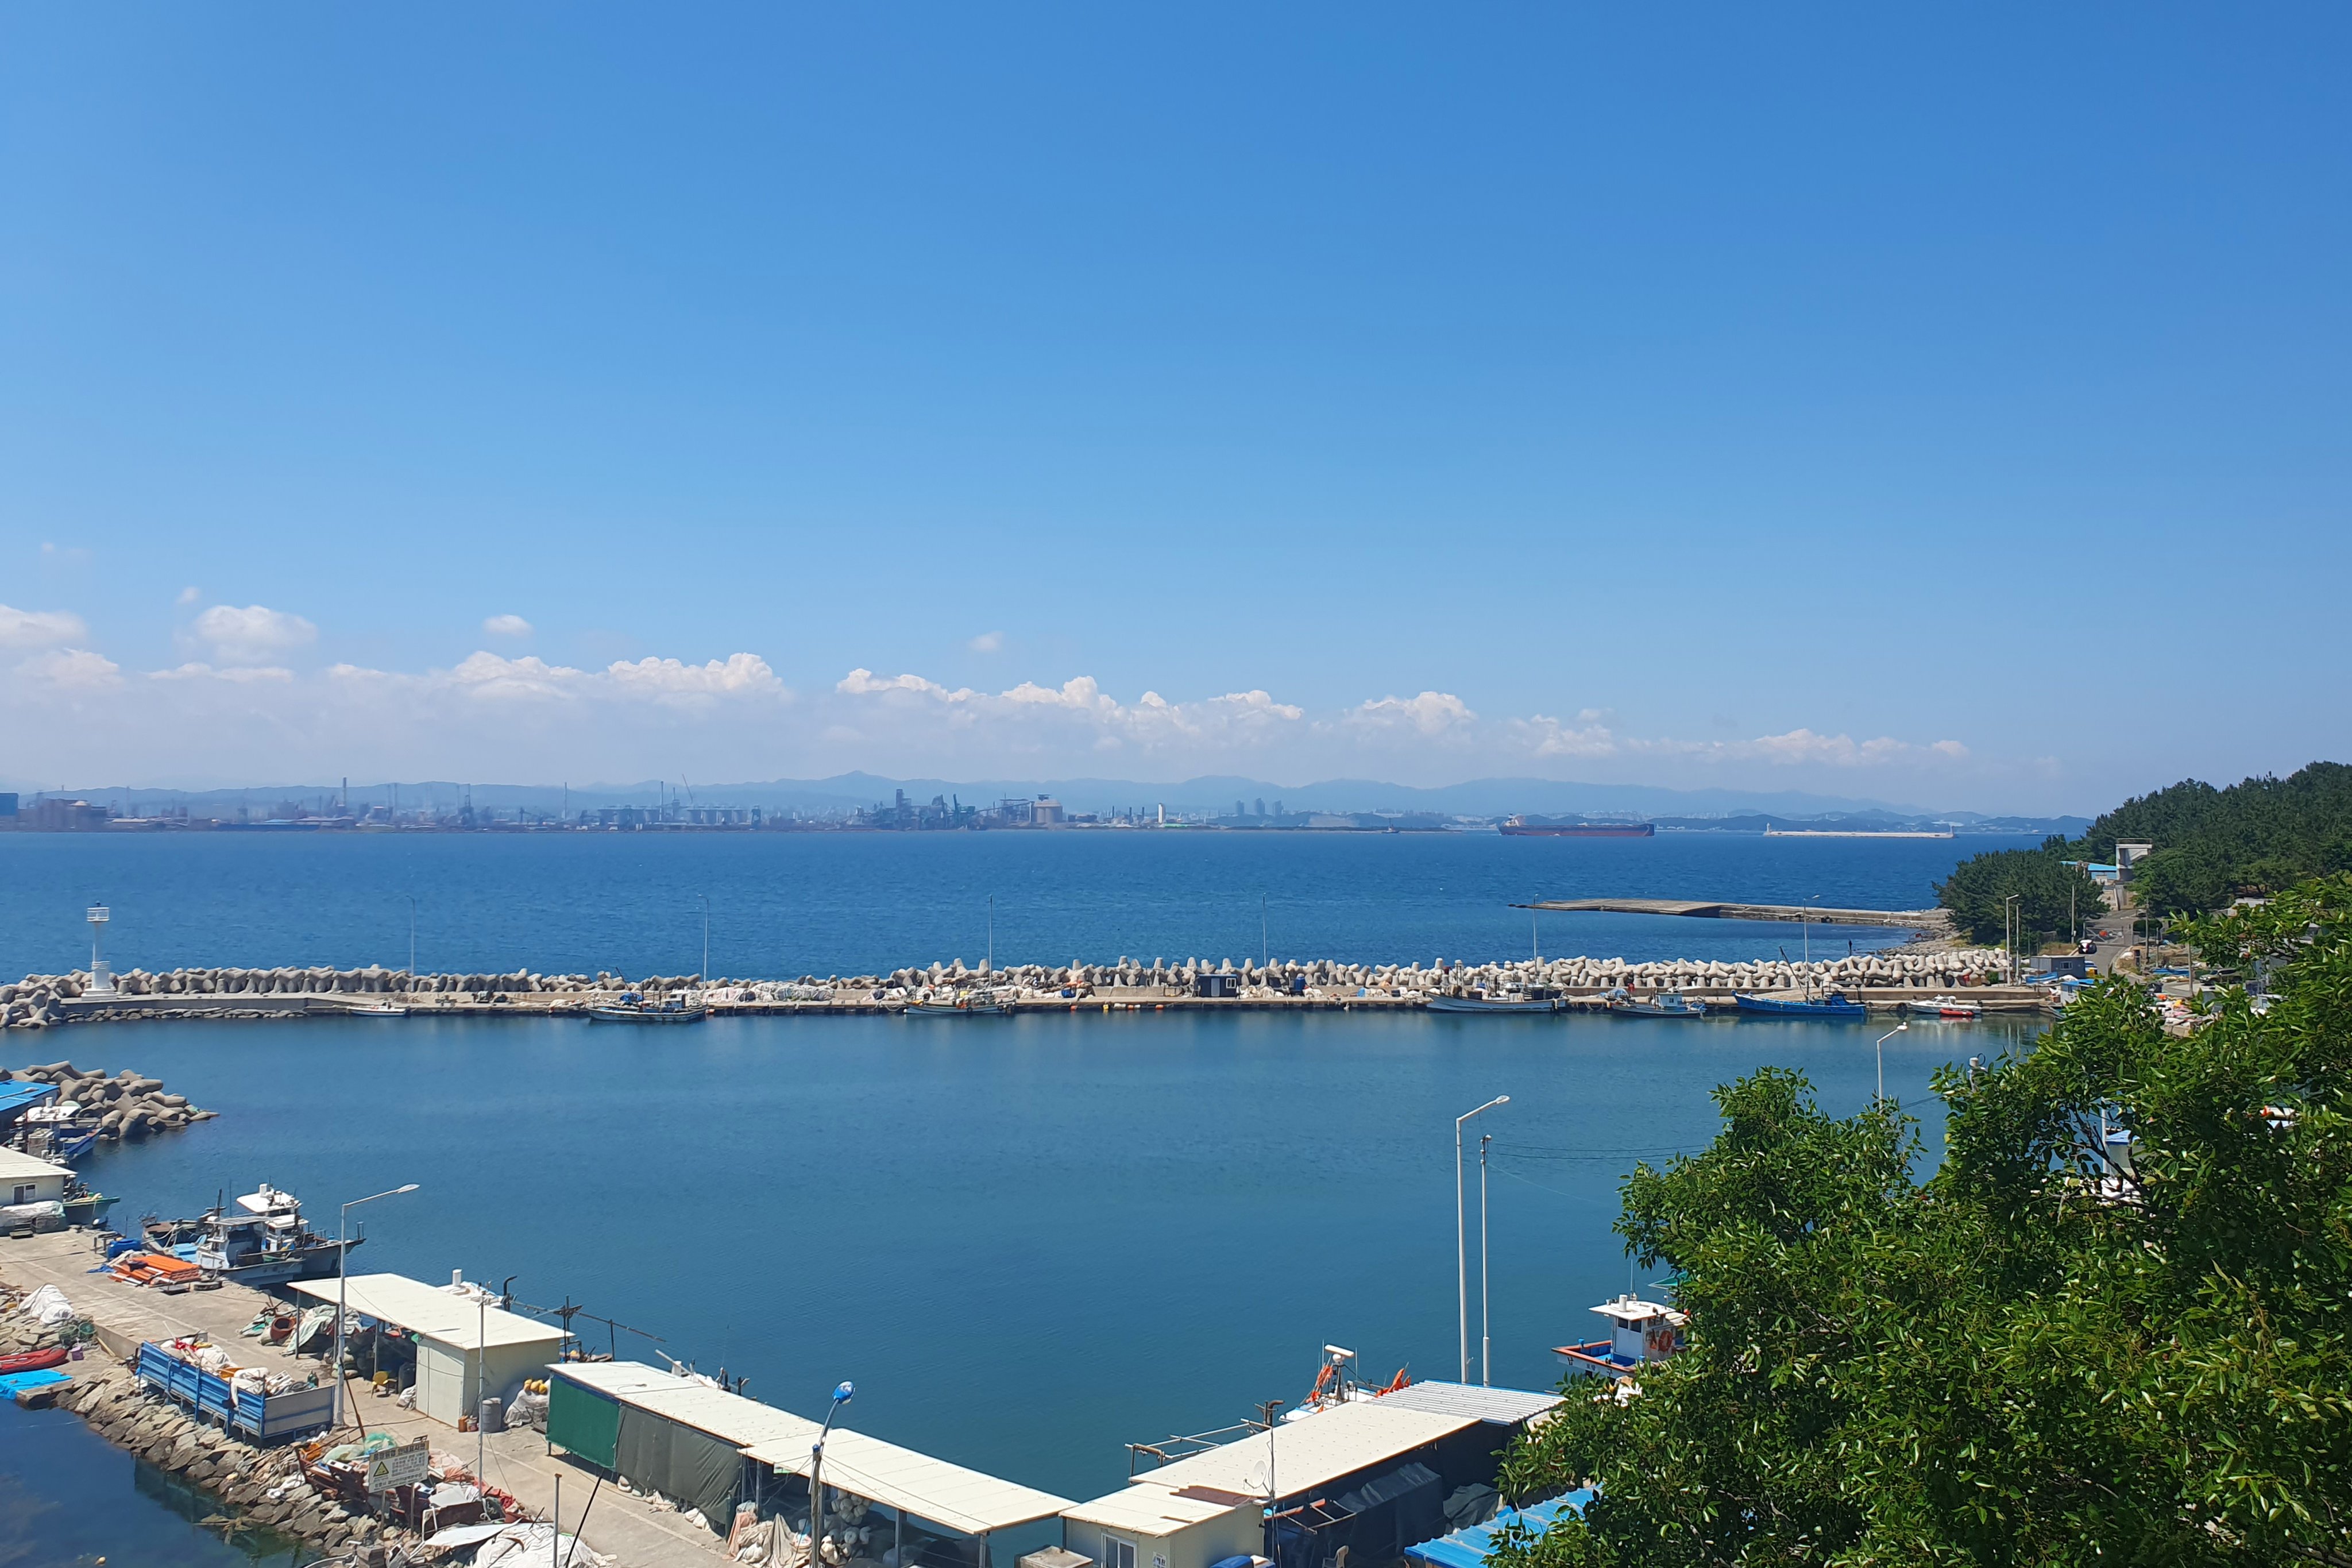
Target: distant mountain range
[(1717, 809)]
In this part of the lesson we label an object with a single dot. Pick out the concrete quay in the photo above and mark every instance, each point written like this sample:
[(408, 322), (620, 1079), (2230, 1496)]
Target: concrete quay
[(623, 1527)]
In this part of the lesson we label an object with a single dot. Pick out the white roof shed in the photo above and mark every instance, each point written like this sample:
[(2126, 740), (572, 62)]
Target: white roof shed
[(964, 1500), (464, 1348)]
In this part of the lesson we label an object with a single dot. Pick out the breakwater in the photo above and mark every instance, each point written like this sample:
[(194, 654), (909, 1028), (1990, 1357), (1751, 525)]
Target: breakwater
[(46, 1000)]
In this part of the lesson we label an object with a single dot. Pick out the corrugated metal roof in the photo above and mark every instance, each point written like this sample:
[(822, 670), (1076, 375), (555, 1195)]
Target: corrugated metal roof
[(1468, 1548), (432, 1312), (16, 1163), (1313, 1451), (728, 1416), (16, 1097), (929, 1489), (1508, 1406), (1151, 1510)]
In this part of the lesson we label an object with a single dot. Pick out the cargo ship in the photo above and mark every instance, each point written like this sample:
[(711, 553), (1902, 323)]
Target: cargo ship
[(1524, 827)]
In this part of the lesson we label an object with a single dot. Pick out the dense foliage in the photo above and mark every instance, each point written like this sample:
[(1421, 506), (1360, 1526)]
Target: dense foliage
[(2035, 1356), (2211, 845), (2055, 898)]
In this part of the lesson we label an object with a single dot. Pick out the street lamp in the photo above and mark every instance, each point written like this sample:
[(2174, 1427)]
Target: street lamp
[(1485, 1319), (343, 1294), (842, 1393), (1461, 1227), (1881, 1045)]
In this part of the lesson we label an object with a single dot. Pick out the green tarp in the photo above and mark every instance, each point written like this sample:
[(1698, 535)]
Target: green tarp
[(692, 1469), (584, 1422)]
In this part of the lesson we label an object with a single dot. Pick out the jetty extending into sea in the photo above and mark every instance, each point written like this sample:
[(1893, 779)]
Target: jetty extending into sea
[(1887, 978)]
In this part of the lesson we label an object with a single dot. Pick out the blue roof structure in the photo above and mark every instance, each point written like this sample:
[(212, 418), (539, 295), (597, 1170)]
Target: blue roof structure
[(16, 1099), (1468, 1548)]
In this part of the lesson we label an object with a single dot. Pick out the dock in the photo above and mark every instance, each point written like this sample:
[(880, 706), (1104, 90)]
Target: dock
[(1937, 922), (626, 1527)]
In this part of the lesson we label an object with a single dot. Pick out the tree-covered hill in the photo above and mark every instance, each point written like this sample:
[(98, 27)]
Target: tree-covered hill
[(2211, 846)]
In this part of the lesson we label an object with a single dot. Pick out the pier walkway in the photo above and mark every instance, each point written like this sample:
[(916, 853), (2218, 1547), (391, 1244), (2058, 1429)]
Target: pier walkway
[(627, 1527), (1937, 921)]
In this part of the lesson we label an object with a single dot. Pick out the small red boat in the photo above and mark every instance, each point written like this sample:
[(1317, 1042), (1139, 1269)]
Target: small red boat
[(33, 1361)]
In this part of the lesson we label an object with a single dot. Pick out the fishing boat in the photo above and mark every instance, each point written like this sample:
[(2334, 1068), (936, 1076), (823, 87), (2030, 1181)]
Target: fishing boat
[(60, 1133), (1829, 1004), (1506, 999), (377, 1010), (1944, 1007), (1665, 1004), (1337, 1385), (85, 1205), (261, 1240), (34, 1360), (994, 1001), (634, 1008)]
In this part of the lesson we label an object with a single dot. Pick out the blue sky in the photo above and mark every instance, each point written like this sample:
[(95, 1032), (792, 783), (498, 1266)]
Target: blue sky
[(1947, 407)]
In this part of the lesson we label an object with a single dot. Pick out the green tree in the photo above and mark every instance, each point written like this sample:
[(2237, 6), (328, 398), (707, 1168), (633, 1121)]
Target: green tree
[(2055, 898), (2039, 1354)]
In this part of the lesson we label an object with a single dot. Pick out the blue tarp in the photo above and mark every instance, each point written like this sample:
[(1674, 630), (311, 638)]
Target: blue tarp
[(1468, 1548), (16, 1098), (14, 1383)]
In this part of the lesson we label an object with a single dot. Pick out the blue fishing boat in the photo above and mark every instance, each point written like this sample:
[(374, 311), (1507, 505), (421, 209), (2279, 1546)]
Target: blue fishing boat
[(1506, 999), (1828, 1006)]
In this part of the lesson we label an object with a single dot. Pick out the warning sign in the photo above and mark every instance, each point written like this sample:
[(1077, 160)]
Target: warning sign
[(401, 1467)]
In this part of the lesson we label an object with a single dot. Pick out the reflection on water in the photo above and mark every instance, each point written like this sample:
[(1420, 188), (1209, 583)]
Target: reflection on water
[(68, 1497)]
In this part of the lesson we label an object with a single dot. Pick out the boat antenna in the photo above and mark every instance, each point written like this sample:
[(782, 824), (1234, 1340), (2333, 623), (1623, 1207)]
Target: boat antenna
[(991, 970)]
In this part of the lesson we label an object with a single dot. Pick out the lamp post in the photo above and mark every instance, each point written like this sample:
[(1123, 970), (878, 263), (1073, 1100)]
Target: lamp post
[(1460, 1227), (343, 1294), (842, 1394), (1880, 1045), (1486, 1321)]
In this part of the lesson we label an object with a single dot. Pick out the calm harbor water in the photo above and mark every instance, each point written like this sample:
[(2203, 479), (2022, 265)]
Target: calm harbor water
[(1028, 1241), (69, 1499), (786, 904)]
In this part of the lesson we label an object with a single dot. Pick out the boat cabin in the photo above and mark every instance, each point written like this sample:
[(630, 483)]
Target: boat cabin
[(1640, 1331)]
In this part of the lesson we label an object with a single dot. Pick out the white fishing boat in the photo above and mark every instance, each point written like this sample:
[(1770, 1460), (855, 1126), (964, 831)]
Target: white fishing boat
[(1951, 1007), (1503, 999), (634, 1008), (377, 1010), (981, 1002), (261, 1240), (1624, 1003)]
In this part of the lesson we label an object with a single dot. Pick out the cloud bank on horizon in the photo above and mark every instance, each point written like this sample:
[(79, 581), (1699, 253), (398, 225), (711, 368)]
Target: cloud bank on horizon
[(247, 706)]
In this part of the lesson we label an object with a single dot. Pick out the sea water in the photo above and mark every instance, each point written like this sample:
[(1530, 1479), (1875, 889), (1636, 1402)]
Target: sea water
[(785, 904), (1028, 1241)]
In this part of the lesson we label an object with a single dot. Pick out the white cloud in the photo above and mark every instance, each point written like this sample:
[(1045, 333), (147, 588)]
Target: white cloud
[(1432, 713), (987, 642), (1078, 708), (237, 674), (39, 628), (71, 670), (249, 635), (506, 626), (189, 595)]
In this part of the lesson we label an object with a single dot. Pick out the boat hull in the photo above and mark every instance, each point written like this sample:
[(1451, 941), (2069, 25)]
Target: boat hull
[(34, 1360), (1820, 1007), (952, 1010), (1480, 1005), (646, 1016), (1642, 1010), (310, 1263)]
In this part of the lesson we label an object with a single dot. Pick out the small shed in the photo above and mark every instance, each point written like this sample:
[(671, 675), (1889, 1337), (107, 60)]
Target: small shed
[(939, 1514), (1144, 1526), (679, 1437), (26, 1180), (457, 1338)]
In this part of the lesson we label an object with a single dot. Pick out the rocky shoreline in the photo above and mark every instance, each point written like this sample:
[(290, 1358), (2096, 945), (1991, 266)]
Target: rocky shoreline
[(259, 1488), (42, 1001)]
